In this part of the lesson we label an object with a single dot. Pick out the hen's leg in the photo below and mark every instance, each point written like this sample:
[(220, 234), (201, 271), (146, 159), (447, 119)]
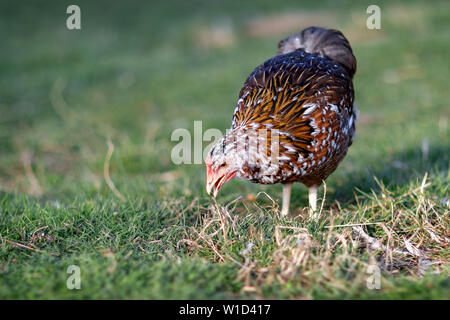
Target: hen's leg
[(312, 199), (287, 187)]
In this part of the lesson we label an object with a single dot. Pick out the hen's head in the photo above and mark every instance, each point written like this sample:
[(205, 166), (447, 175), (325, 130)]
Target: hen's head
[(220, 166)]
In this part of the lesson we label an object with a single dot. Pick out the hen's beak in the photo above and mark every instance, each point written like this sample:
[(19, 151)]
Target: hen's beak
[(213, 183), (212, 186)]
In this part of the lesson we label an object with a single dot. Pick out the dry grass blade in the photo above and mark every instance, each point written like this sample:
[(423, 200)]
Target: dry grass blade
[(106, 172), (35, 189), (373, 243), (23, 246)]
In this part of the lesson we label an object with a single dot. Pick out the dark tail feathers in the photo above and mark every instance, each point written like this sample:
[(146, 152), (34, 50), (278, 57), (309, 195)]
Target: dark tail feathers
[(326, 42)]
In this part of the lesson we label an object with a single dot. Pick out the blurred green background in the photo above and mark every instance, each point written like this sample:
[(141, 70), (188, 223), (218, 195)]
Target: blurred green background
[(137, 70)]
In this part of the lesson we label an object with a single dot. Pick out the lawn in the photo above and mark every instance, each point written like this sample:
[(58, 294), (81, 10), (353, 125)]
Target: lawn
[(86, 176)]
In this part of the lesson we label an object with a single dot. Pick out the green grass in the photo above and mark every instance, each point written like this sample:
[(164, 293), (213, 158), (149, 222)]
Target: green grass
[(136, 72)]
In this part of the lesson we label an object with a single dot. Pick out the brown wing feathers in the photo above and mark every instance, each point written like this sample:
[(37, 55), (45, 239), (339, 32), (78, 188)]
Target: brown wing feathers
[(308, 98)]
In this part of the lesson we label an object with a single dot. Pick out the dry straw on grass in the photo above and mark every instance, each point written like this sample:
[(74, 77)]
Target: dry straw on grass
[(336, 256)]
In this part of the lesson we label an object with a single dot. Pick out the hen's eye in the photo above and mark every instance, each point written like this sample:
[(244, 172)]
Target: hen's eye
[(223, 165)]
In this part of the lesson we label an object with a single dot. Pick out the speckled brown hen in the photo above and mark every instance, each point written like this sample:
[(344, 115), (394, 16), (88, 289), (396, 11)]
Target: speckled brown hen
[(294, 119)]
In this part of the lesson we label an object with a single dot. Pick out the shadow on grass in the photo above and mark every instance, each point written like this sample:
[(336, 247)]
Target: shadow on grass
[(395, 170)]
